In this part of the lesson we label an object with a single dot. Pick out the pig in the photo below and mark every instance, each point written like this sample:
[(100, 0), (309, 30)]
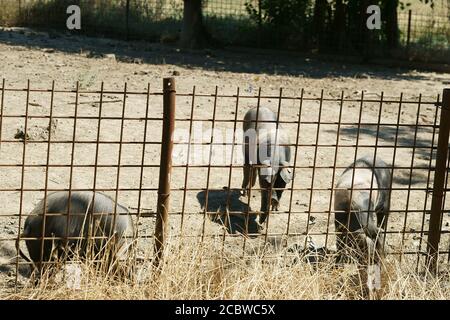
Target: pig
[(361, 215), (263, 147), (83, 206)]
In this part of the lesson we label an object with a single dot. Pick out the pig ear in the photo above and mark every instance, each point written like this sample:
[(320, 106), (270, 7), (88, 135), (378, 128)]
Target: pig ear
[(286, 174)]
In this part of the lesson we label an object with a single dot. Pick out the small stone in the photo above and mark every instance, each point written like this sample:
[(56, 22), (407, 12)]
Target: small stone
[(176, 73), (111, 56), (48, 50), (141, 73), (20, 135)]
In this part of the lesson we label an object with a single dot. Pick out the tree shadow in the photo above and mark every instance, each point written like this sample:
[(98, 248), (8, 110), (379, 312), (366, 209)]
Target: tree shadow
[(239, 60), (405, 138), (405, 135), (234, 222)]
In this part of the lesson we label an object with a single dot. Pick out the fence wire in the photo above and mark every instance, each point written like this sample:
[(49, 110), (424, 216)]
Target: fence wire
[(109, 141)]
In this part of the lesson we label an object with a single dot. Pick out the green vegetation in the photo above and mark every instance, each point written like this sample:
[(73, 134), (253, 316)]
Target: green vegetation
[(287, 24)]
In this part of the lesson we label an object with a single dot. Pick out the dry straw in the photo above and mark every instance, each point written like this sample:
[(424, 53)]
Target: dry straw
[(196, 270)]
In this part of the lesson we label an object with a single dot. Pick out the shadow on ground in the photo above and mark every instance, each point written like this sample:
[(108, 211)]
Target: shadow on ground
[(237, 60), (406, 137), (235, 221), (8, 260)]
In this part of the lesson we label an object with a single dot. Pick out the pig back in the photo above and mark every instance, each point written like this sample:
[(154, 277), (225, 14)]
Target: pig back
[(80, 205), (264, 114)]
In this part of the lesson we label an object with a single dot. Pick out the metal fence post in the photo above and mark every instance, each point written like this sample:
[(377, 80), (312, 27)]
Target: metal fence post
[(434, 231), (165, 168)]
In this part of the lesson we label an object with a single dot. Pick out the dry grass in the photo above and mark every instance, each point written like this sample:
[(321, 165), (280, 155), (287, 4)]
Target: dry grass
[(201, 271)]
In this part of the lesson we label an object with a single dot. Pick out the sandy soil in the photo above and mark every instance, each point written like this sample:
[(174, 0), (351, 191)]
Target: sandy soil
[(43, 57)]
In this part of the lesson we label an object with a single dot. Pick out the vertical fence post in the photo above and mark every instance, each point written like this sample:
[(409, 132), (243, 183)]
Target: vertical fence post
[(434, 231), (408, 36), (165, 168)]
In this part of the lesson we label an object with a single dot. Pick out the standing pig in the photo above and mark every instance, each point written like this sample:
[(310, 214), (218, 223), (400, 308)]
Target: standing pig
[(262, 147), (361, 214), (77, 224)]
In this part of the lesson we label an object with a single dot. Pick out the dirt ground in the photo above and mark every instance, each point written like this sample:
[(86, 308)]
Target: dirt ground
[(43, 57)]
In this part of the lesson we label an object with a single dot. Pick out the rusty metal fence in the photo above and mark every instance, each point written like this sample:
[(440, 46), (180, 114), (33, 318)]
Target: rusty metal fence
[(119, 141)]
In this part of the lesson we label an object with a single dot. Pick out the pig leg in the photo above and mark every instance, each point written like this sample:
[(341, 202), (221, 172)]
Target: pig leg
[(341, 243), (382, 218), (34, 249), (254, 175), (246, 179), (249, 174), (265, 199)]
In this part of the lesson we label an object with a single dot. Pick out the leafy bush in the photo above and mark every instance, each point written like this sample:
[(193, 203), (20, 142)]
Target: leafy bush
[(146, 20), (287, 17)]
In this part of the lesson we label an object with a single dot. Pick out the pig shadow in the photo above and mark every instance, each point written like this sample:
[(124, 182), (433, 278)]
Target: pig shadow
[(234, 222)]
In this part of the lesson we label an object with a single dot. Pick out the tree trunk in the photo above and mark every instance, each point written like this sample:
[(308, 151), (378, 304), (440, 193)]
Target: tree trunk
[(365, 38), (392, 33), (193, 34), (320, 11), (448, 9), (339, 24)]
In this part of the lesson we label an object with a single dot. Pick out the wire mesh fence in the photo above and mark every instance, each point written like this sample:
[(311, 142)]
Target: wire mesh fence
[(118, 142)]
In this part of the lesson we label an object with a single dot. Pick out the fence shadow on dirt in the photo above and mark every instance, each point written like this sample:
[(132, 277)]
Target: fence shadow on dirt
[(406, 136)]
